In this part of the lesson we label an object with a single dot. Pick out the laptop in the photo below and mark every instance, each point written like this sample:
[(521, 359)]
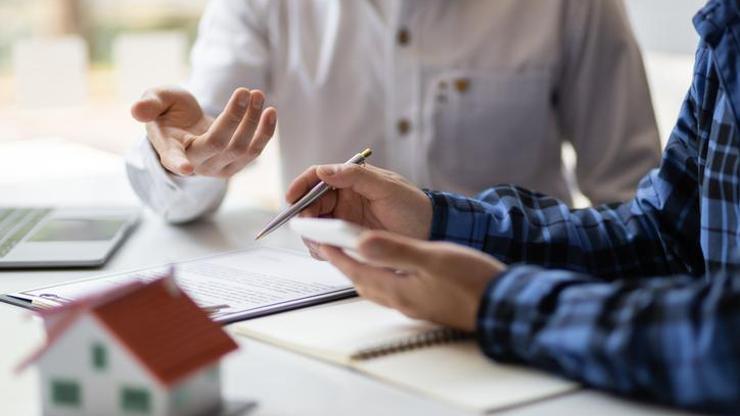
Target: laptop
[(62, 237)]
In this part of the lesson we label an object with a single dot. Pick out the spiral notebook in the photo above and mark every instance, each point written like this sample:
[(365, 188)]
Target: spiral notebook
[(437, 362)]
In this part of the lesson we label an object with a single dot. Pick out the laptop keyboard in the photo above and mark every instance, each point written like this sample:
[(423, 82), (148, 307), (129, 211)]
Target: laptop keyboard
[(16, 223)]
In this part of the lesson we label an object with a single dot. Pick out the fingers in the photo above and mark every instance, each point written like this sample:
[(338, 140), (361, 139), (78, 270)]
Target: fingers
[(265, 131), (240, 141), (313, 248), (377, 284), (154, 103), (219, 134), (394, 251), (153, 106), (237, 156), (367, 180), (236, 137), (302, 184), (321, 208), (249, 140)]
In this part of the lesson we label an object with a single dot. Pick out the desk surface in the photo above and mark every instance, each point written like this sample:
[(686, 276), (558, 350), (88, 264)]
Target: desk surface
[(282, 382)]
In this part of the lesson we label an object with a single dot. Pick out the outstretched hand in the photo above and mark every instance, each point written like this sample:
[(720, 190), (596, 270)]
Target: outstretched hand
[(190, 142)]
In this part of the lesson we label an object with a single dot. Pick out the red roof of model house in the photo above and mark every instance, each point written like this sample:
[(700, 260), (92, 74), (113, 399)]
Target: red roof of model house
[(157, 322)]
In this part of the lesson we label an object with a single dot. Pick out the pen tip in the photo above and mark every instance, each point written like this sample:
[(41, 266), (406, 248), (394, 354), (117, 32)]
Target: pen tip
[(260, 234)]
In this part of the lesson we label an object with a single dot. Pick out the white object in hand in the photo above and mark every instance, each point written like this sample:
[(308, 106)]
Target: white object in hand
[(329, 231)]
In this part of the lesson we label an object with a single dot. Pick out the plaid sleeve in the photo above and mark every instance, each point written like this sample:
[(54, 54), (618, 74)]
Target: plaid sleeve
[(671, 339), (654, 234), (611, 241)]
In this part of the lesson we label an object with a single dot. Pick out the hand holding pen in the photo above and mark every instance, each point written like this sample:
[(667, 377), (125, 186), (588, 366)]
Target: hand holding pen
[(312, 195), (367, 196)]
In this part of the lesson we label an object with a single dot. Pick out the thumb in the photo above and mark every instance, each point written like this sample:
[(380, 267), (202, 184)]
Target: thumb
[(393, 250), (366, 180), (153, 104), (175, 160)]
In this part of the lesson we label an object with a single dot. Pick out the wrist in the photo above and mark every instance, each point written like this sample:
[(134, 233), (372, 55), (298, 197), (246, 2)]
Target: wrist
[(488, 270), (432, 232), (426, 216)]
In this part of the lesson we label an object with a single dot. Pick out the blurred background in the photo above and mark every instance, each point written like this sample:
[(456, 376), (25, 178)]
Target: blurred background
[(71, 68)]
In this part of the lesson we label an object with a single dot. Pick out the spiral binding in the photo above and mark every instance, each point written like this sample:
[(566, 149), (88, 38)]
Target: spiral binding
[(429, 338)]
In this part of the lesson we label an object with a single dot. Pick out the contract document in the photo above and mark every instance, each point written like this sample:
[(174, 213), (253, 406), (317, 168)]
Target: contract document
[(231, 287)]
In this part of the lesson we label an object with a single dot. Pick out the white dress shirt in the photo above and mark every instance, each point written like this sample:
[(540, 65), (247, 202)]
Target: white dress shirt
[(454, 95)]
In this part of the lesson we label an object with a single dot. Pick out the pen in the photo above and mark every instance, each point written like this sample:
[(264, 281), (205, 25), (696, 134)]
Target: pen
[(312, 195), (214, 308), (43, 303)]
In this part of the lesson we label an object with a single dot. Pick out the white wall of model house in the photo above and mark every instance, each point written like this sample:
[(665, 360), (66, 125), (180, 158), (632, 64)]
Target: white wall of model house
[(71, 358), (199, 394)]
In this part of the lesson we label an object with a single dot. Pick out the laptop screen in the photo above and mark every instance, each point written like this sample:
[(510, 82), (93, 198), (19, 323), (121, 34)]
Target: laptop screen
[(73, 229)]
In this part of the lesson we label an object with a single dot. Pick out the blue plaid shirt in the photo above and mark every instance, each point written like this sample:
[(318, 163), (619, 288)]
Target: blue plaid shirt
[(643, 297)]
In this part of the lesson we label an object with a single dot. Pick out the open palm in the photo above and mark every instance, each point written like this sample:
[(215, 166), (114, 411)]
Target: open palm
[(190, 142)]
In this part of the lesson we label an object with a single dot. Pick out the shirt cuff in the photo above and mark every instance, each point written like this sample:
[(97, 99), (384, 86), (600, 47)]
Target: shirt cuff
[(177, 199), (458, 219), (511, 312)]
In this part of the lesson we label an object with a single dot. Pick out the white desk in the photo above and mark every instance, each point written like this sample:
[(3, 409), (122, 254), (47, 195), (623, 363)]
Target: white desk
[(57, 172)]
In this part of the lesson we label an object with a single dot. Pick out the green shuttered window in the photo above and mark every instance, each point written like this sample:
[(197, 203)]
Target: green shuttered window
[(66, 393), (99, 356), (135, 400)]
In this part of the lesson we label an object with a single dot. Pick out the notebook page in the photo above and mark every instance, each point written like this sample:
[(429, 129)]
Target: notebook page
[(456, 373), (335, 331), (459, 374)]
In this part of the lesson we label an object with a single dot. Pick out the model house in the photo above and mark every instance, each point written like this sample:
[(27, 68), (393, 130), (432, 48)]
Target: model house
[(143, 349)]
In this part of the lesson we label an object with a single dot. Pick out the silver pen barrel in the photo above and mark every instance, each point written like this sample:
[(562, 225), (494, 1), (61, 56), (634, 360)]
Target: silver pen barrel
[(293, 210)]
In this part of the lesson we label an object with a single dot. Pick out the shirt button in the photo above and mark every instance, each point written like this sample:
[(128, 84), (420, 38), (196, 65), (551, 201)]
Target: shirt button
[(403, 126), (403, 37), (462, 84)]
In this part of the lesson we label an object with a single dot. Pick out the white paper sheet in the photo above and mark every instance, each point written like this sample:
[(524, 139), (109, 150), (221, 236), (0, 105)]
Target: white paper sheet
[(240, 284)]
